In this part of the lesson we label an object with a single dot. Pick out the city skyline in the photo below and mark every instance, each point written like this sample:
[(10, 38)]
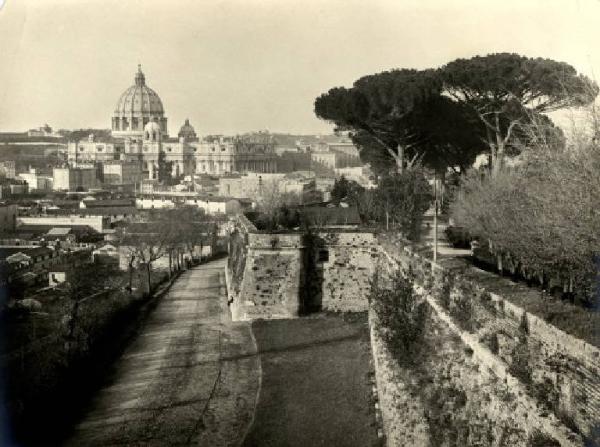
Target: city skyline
[(233, 67)]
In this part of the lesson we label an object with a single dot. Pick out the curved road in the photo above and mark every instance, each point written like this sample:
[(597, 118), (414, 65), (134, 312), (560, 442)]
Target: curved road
[(190, 377)]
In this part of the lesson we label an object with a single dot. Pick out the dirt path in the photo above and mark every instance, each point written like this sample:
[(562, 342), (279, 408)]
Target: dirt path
[(315, 383), (190, 377)]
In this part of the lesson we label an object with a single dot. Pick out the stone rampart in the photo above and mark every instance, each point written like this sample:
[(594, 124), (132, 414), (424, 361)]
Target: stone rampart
[(558, 371), (281, 275)]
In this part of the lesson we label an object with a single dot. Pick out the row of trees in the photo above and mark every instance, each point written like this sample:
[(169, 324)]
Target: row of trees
[(447, 116), (399, 201), (171, 233), (542, 218)]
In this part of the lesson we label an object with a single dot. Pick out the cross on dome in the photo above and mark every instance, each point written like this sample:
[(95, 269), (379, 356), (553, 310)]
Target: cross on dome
[(140, 79)]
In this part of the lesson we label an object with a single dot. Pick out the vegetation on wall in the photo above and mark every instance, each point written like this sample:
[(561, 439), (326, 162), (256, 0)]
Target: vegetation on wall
[(401, 312)]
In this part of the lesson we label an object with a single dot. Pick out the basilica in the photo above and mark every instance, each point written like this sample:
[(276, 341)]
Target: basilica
[(139, 135)]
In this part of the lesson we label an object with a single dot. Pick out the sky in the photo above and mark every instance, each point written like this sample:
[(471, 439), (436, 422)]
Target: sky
[(234, 66)]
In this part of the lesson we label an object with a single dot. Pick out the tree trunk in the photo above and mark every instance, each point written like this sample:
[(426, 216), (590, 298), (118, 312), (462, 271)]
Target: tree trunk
[(499, 155), (149, 283), (400, 159), (170, 263), (71, 333), (131, 275)]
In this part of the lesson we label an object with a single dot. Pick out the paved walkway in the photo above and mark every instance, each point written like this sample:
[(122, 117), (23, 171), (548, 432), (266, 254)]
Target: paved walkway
[(190, 377)]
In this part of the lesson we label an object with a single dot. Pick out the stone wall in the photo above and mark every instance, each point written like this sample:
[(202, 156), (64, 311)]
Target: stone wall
[(403, 417), (272, 278), (281, 275), (342, 266), (557, 372)]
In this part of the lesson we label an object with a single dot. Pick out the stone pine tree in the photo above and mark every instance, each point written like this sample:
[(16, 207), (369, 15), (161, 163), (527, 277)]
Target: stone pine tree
[(399, 117), (377, 110), (508, 91)]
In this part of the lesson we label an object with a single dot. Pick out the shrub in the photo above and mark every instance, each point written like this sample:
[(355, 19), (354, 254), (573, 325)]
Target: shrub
[(519, 366), (462, 311), (402, 314), (402, 199), (445, 287), (539, 439), (461, 307), (458, 237)]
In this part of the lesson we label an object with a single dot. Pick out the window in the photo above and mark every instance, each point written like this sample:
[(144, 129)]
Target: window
[(145, 148), (81, 148), (99, 148), (323, 256)]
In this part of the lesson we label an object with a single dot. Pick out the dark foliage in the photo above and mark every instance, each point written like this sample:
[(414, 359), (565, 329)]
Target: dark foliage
[(398, 116), (402, 315)]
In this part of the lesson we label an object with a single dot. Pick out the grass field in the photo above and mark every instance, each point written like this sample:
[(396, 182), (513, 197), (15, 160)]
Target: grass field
[(315, 383)]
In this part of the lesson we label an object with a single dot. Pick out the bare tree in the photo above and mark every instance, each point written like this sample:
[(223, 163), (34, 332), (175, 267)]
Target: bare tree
[(146, 242)]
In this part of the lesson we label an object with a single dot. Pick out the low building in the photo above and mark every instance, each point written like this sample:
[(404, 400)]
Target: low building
[(57, 277), (210, 204), (326, 158), (90, 203), (43, 131), (106, 254), (121, 172), (74, 179), (8, 218), (113, 213), (360, 174), (250, 186), (7, 169), (12, 187), (98, 223), (29, 258), (36, 180)]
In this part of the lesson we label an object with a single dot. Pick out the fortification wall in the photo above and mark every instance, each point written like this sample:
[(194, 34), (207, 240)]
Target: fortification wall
[(281, 275), (551, 368), (342, 268)]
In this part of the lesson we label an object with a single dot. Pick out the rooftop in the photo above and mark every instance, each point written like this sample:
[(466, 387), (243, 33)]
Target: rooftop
[(108, 203)]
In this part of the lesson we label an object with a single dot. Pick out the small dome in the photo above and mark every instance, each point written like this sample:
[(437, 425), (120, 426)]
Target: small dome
[(152, 131), (152, 126)]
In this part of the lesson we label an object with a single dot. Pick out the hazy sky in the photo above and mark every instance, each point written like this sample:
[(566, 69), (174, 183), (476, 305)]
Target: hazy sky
[(239, 65)]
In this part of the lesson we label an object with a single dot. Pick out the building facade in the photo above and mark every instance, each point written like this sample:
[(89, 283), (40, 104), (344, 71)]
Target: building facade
[(139, 134), (121, 172), (74, 179)]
